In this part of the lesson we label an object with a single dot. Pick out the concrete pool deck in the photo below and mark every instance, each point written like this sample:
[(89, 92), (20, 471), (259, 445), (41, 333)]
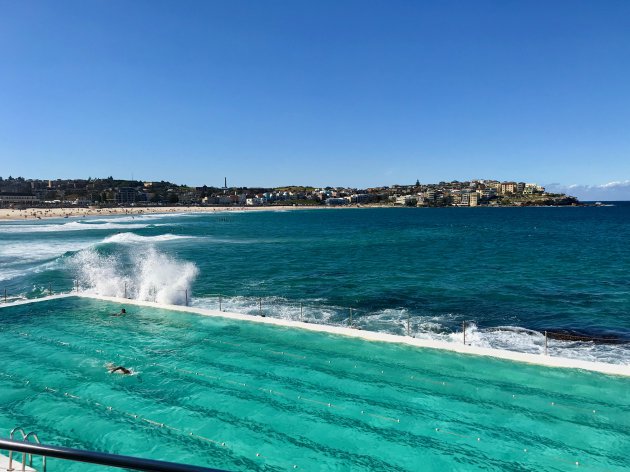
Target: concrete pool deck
[(538, 359), (16, 466)]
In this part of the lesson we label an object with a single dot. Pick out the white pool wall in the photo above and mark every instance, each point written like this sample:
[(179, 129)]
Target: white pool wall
[(538, 359)]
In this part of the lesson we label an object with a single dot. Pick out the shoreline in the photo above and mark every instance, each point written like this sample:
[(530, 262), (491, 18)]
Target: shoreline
[(36, 213), (8, 214)]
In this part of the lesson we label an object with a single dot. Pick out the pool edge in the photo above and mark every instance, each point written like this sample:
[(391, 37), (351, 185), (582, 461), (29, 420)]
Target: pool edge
[(537, 359)]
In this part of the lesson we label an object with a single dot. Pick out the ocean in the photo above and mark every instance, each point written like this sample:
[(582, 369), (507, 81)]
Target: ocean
[(506, 274)]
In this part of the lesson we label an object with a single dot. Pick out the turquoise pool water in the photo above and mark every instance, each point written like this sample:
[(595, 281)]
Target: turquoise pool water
[(257, 397)]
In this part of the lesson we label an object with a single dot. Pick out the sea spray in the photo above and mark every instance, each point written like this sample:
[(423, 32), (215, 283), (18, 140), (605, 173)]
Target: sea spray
[(430, 327), (133, 238), (168, 279), (138, 273), (99, 273)]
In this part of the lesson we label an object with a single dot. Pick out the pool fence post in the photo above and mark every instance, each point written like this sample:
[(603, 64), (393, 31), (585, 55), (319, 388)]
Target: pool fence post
[(125, 289), (301, 312), (50, 288), (186, 293), (220, 300), (350, 319), (545, 343), (260, 306), (408, 324), (5, 294), (464, 331)]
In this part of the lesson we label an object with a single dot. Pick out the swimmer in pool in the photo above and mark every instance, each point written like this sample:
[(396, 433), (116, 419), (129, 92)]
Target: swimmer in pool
[(113, 369), (123, 312), (121, 369)]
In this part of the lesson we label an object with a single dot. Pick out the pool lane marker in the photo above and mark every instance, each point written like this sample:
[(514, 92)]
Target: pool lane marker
[(282, 353), (261, 456), (151, 422), (571, 407), (440, 430), (436, 382), (66, 344), (154, 423), (215, 341), (100, 351), (328, 362), (222, 444), (61, 343), (329, 405), (386, 418)]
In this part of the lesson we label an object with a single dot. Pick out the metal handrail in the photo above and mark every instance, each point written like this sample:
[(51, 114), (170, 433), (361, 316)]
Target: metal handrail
[(100, 458), (13, 431), (30, 463)]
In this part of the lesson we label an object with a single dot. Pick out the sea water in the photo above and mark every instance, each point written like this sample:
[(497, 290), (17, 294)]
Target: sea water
[(243, 396), (508, 274)]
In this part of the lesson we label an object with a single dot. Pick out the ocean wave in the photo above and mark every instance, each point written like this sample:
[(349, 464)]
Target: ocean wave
[(144, 274), (132, 238), (71, 226), (18, 252), (10, 274), (136, 217), (20, 258), (515, 338), (401, 321)]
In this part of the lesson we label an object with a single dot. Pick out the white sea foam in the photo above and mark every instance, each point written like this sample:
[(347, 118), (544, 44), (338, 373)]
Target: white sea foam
[(22, 257), (276, 307), (33, 251), (147, 275), (514, 338), (432, 327), (136, 218), (9, 274), (71, 226), (132, 238)]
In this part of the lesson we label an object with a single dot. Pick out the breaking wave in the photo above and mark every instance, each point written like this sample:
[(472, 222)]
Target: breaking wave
[(433, 327), (131, 238), (71, 226), (144, 274), (140, 217)]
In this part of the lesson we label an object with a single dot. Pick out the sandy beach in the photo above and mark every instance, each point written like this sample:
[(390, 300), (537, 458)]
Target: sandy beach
[(69, 212)]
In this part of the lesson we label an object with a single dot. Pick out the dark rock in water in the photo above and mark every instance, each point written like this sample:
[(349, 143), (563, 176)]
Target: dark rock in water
[(568, 335)]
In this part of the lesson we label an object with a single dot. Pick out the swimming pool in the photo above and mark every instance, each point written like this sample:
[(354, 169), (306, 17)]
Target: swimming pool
[(245, 396)]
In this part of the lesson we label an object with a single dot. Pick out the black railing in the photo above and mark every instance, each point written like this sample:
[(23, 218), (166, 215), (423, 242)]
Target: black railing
[(100, 458)]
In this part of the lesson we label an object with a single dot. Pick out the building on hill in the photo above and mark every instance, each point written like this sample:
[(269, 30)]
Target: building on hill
[(508, 187), (9, 198), (125, 195)]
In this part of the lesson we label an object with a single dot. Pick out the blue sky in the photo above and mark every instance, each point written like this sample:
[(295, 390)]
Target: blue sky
[(356, 93)]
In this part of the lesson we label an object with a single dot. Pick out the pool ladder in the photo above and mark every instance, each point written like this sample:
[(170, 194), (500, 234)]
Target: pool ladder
[(25, 438)]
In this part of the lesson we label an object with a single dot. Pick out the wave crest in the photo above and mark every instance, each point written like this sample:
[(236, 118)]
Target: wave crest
[(71, 226), (147, 274), (132, 238)]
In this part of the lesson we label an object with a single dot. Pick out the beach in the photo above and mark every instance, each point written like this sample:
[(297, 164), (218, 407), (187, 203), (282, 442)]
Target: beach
[(80, 212)]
